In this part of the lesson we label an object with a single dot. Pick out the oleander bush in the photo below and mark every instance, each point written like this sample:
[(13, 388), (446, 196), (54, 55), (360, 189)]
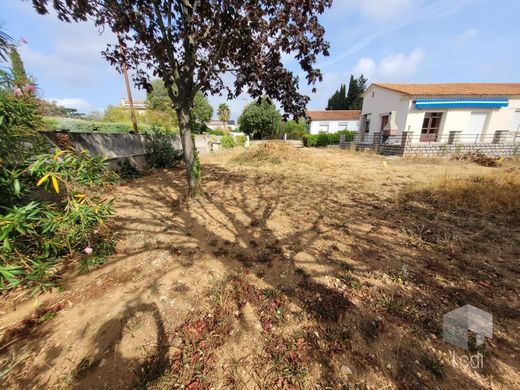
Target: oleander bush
[(52, 203)]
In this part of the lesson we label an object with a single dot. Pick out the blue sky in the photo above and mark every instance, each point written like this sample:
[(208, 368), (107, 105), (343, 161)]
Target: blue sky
[(387, 40)]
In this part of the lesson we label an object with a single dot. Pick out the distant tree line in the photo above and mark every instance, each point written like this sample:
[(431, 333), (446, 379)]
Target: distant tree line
[(351, 100)]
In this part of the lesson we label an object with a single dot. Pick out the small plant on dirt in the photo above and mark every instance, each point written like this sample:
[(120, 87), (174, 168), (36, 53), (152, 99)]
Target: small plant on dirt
[(155, 288), (270, 293), (47, 316), (403, 275), (96, 256), (393, 305), (127, 170), (351, 281), (433, 365)]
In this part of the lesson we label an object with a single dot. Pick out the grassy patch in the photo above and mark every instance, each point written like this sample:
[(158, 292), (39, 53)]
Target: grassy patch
[(99, 256)]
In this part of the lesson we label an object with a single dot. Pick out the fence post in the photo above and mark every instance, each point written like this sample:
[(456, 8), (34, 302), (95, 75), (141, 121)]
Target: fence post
[(454, 137), (500, 136), (406, 138), (378, 137)]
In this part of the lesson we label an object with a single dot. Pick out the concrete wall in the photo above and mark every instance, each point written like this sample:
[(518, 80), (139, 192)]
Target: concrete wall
[(117, 147), (334, 126)]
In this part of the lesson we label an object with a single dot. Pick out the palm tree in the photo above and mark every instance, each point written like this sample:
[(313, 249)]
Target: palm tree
[(5, 47), (5, 44), (223, 114)]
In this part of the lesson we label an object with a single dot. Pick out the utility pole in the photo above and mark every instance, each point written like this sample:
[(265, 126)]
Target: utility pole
[(128, 90)]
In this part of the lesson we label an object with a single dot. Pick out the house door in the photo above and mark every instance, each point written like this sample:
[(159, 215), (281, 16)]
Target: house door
[(477, 122), (431, 126)]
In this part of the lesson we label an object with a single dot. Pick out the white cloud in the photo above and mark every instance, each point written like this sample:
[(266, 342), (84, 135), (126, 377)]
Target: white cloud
[(77, 103), (467, 35), (366, 66), (383, 10), (394, 67)]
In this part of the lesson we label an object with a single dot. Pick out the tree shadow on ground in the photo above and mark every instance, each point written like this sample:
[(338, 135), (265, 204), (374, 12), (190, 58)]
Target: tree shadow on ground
[(320, 241), (106, 367), (374, 275)]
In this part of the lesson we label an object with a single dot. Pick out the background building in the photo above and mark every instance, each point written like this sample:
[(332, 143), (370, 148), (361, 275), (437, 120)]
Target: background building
[(139, 105), (333, 121)]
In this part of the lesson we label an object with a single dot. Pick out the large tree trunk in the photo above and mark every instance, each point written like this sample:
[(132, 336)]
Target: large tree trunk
[(189, 152)]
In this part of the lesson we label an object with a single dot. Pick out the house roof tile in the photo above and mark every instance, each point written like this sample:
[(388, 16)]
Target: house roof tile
[(445, 89), (334, 115)]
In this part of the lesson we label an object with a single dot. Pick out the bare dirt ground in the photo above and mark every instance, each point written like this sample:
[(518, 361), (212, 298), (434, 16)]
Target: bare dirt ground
[(322, 269)]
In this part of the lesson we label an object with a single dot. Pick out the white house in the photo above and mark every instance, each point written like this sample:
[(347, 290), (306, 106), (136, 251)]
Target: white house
[(472, 112), (139, 105), (216, 124), (332, 121)]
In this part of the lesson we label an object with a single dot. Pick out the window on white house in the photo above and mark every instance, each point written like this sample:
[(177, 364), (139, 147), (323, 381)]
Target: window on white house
[(343, 125), (323, 127)]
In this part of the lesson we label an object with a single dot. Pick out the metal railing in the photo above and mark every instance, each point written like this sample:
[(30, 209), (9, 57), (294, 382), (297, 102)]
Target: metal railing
[(446, 138)]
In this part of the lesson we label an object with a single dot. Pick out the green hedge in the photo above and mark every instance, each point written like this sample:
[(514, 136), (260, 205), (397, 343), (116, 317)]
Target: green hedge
[(87, 126), (324, 139)]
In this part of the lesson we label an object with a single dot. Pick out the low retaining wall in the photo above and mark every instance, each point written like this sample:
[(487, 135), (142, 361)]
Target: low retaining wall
[(117, 147), (439, 150), (502, 150)]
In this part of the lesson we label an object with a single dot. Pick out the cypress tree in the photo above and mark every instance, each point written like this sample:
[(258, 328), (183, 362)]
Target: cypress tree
[(361, 88), (338, 101)]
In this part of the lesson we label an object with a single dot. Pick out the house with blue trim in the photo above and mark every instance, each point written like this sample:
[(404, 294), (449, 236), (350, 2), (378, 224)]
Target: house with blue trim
[(436, 113)]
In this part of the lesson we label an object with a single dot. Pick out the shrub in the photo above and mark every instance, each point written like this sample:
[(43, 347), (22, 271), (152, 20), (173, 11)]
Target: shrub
[(127, 170), (34, 235), (295, 130), (84, 126), (50, 202), (260, 119), (241, 140), (160, 151), (324, 139), (228, 142)]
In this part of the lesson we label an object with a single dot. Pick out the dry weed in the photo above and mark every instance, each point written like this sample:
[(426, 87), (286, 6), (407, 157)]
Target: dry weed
[(490, 194), (269, 152)]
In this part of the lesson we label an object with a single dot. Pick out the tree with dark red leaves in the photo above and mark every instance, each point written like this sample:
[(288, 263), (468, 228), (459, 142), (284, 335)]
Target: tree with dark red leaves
[(192, 44)]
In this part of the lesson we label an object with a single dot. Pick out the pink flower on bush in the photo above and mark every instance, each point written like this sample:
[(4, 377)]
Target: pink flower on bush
[(88, 250), (29, 88), (18, 92)]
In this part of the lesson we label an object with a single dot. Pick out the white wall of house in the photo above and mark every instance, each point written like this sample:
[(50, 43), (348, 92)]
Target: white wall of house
[(333, 126), (380, 101)]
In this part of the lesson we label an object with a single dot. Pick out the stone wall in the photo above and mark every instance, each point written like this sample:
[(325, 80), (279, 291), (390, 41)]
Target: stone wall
[(498, 146), (433, 150)]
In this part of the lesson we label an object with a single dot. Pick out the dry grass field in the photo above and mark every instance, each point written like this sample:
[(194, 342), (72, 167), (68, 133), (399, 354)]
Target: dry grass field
[(298, 268)]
